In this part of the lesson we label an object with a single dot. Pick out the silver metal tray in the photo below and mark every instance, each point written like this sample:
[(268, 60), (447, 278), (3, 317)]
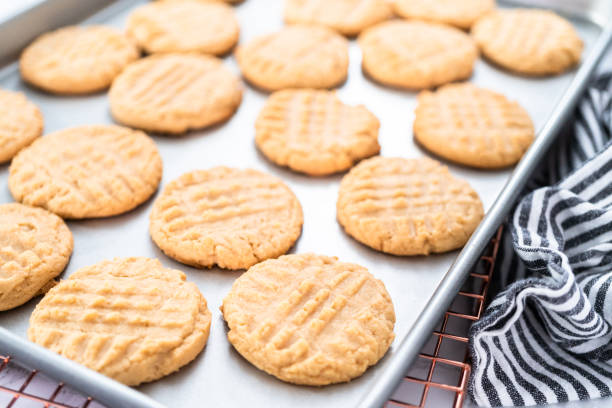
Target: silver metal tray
[(421, 287)]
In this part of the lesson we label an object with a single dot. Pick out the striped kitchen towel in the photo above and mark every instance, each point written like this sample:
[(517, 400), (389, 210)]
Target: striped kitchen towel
[(547, 336)]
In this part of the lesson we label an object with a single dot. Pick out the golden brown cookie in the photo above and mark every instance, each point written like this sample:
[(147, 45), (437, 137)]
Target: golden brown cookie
[(87, 171), (186, 26), (309, 319), (35, 246), (416, 54), (348, 17), (407, 206), (130, 319), (173, 93), (472, 126), (297, 56), (528, 41), (313, 132), (75, 60), (460, 14), (227, 217), (20, 123)]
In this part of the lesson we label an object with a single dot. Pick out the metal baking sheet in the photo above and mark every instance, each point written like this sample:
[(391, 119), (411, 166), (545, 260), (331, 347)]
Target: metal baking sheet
[(220, 376)]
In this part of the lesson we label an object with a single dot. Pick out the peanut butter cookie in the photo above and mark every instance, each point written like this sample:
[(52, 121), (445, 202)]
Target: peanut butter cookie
[(227, 217), (313, 132), (130, 319), (309, 319), (407, 206)]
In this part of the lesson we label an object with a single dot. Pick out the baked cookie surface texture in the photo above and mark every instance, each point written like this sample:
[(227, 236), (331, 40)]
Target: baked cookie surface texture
[(228, 217), (298, 56), (20, 123), (130, 319), (472, 126), (348, 17), (314, 132), (462, 13), (407, 206), (416, 54), (186, 26), (173, 93), (76, 60), (87, 171), (528, 41), (309, 319), (35, 246)]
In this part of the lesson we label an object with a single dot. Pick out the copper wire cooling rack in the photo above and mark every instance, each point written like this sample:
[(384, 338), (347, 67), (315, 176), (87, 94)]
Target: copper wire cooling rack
[(436, 379), (439, 376)]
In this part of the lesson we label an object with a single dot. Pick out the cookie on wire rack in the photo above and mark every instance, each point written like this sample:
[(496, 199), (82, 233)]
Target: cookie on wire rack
[(416, 54), (298, 56), (130, 319), (76, 60), (462, 14), (407, 206), (309, 319), (314, 132), (232, 218), (35, 246), (20, 123), (87, 171), (174, 93), (348, 17), (472, 126), (528, 41), (186, 26)]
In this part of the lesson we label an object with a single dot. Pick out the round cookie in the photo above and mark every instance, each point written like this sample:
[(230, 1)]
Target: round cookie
[(528, 41), (227, 217), (309, 319), (173, 93), (348, 17), (460, 14), (20, 123), (472, 126), (407, 206), (313, 132), (186, 26), (76, 60), (35, 246), (298, 56), (416, 54), (130, 319), (87, 171)]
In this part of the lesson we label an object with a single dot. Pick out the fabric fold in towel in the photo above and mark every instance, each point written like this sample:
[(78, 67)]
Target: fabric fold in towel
[(546, 337)]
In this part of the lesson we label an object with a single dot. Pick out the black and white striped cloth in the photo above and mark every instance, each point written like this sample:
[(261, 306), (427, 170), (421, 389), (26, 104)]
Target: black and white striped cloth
[(547, 336)]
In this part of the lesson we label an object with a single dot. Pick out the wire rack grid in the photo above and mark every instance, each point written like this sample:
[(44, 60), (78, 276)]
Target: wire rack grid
[(21, 387), (439, 378)]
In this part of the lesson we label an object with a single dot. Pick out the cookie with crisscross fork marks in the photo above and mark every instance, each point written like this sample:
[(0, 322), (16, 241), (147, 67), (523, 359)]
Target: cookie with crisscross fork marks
[(459, 13), (228, 217), (348, 17), (173, 93), (416, 55), (528, 41), (74, 60), (407, 206), (313, 132), (309, 319), (87, 171), (130, 319), (210, 28), (298, 56), (20, 123), (472, 126), (35, 246)]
